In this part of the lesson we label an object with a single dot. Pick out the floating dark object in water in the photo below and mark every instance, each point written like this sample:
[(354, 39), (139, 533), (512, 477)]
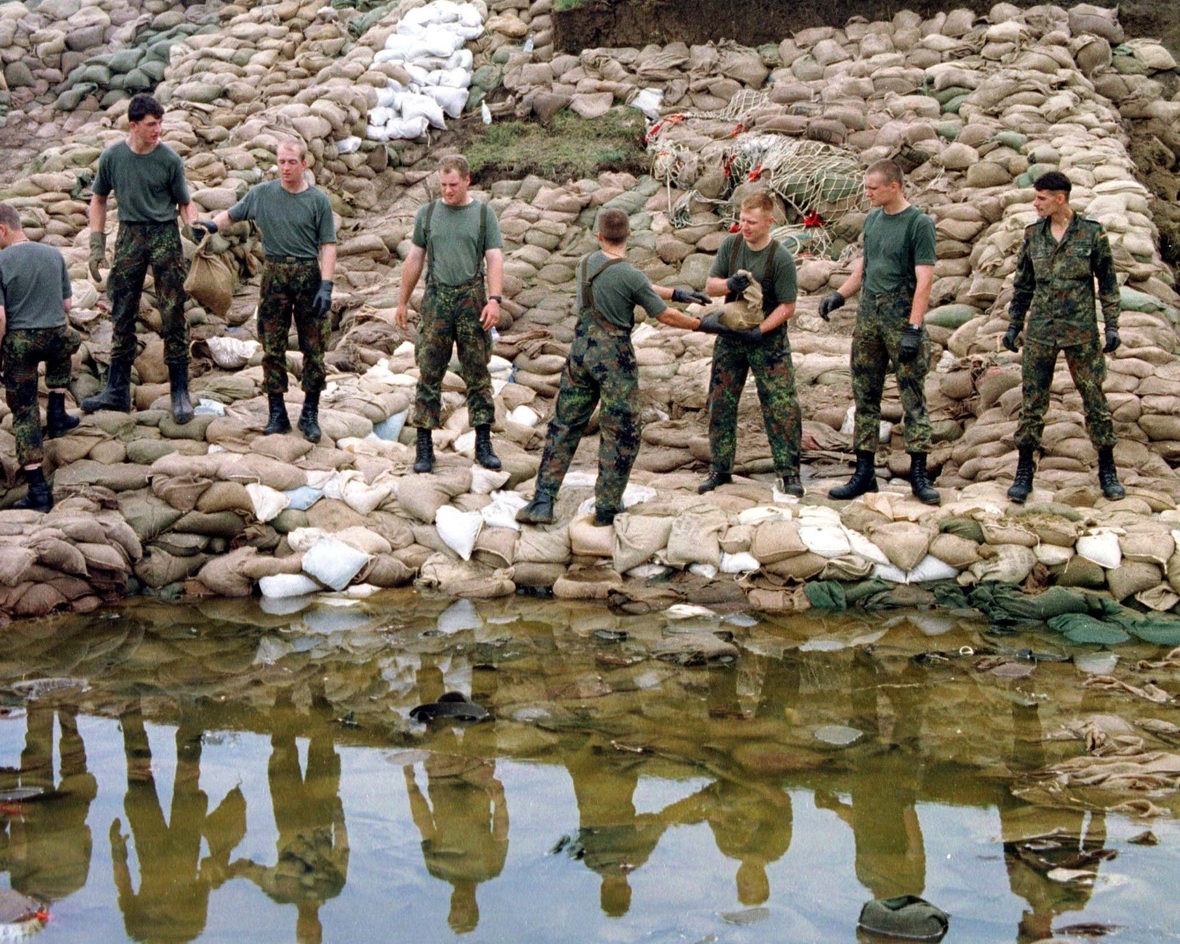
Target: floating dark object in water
[(453, 706), (610, 635), (1145, 838), (906, 916), (1088, 929), (20, 915), (33, 689), (23, 795)]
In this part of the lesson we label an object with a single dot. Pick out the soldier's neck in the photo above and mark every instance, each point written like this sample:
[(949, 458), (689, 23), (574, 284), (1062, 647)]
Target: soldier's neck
[(1059, 222)]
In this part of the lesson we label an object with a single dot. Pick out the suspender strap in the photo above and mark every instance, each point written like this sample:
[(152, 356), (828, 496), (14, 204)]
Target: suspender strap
[(585, 285), (484, 210)]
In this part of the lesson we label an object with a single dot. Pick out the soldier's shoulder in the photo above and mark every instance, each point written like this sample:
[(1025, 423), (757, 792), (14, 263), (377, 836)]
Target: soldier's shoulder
[(1091, 224)]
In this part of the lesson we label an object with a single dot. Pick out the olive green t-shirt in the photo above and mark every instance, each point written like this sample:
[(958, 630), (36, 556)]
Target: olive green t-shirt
[(34, 282), (148, 187), (893, 245), (619, 289), (783, 274), (292, 224), (454, 251)]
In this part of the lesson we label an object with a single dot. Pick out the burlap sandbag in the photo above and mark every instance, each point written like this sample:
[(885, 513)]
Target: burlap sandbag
[(264, 470), (224, 575), (903, 542), (1133, 577), (544, 545), (157, 568), (638, 538), (146, 514), (457, 578), (14, 563), (56, 554), (593, 583), (534, 574), (225, 496), (210, 278), (798, 568), (776, 541), (746, 311), (385, 570), (586, 540), (954, 550), (423, 495), (695, 539), (1011, 564), (496, 547)]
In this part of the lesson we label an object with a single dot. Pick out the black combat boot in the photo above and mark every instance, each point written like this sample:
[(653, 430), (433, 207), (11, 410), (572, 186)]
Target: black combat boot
[(309, 419), (920, 481), (1022, 483), (538, 511), (864, 479), (714, 480), (424, 460), (57, 421), (1108, 475), (116, 395), (277, 421), (39, 497), (182, 406), (483, 447), (790, 484)]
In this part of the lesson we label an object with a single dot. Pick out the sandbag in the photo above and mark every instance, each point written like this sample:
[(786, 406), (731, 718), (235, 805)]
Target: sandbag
[(776, 541), (210, 278), (586, 540), (544, 545), (458, 529), (334, 563), (638, 538), (1012, 564), (903, 542), (694, 539), (423, 495), (467, 579)]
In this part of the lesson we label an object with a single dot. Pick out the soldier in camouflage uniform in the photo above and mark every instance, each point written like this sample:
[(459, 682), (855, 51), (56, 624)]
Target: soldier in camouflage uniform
[(454, 239), (894, 275), (35, 295), (602, 367), (148, 180), (299, 242), (1062, 255)]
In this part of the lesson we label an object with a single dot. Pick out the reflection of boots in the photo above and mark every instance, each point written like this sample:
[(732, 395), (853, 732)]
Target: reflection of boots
[(1108, 475), (920, 481), (182, 406), (39, 497), (278, 421), (424, 460), (309, 419), (538, 511), (864, 479), (483, 448), (57, 421), (1022, 483), (116, 395)]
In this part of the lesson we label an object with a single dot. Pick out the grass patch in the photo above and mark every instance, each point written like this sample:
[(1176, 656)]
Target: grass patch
[(562, 5), (569, 146)]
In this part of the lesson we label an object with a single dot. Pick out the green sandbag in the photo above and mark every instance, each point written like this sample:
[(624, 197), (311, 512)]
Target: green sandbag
[(1157, 631), (1080, 628), (858, 594), (1003, 602), (827, 595), (951, 316), (967, 528)]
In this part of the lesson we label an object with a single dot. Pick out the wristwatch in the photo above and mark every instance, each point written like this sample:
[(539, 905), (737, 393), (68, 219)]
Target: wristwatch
[(498, 299)]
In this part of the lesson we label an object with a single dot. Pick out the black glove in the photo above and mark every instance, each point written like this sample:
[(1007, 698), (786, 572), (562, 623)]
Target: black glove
[(737, 284), (751, 335), (323, 299), (686, 295), (207, 225), (911, 340), (829, 303), (711, 324), (1010, 338), (1112, 340)]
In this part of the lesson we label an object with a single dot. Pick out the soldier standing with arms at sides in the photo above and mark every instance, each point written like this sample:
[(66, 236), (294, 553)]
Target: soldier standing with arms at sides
[(35, 295), (764, 349), (299, 242), (147, 178), (454, 239), (894, 275), (602, 365), (1062, 255)]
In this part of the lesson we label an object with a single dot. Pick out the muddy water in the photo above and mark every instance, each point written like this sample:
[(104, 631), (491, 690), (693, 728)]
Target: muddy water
[(228, 774)]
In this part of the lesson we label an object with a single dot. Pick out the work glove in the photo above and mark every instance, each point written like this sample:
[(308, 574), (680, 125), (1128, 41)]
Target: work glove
[(1112, 340), (686, 295), (911, 340), (98, 254), (323, 299), (736, 284), (1010, 338), (751, 335), (202, 227), (711, 324), (829, 303)]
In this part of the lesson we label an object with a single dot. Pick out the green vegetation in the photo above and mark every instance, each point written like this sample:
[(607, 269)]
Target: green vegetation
[(569, 146), (562, 5)]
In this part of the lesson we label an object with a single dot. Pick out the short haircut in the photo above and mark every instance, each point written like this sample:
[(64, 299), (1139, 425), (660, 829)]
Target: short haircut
[(760, 200), (291, 144), (613, 225), (10, 217), (1053, 181), (142, 105), (890, 171), (454, 162)]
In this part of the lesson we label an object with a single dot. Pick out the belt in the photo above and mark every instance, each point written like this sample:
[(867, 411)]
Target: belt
[(288, 259)]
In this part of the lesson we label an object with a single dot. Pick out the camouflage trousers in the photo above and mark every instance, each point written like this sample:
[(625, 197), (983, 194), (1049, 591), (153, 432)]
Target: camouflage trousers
[(1087, 366), (601, 367), (450, 319), (138, 246), (22, 350), (287, 292), (880, 323), (774, 376)]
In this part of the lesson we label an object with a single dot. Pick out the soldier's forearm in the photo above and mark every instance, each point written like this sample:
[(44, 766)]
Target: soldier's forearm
[(328, 261)]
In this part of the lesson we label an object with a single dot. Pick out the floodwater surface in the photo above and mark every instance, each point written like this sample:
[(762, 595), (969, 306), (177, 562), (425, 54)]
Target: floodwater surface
[(220, 773)]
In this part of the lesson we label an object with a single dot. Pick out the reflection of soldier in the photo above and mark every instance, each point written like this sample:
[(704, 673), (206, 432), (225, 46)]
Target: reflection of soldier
[(174, 882), (313, 841), (47, 848), (464, 827)]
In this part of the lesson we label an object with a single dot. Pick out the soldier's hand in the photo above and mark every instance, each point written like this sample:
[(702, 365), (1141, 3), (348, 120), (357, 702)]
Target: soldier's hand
[(1112, 340), (402, 317), (202, 228), (911, 341), (749, 335), (1010, 338), (98, 254), (737, 284), (490, 316), (829, 303), (323, 299), (686, 295), (711, 323)]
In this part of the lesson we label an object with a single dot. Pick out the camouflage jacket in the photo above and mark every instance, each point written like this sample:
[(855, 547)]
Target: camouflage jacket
[(1055, 283)]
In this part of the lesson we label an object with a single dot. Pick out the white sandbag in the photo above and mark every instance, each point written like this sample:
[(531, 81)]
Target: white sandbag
[(826, 540), (740, 563), (648, 101), (268, 502), (232, 353), (352, 143), (390, 429), (501, 513), (405, 129), (334, 563), (524, 415), (279, 586), (382, 113), (865, 548), (382, 132), (1101, 546), (708, 571), (458, 529), (423, 106), (1051, 555), (459, 78), (888, 573), (931, 568), (302, 498), (451, 100), (486, 481)]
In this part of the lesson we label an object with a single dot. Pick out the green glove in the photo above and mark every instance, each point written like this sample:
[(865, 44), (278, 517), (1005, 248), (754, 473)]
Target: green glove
[(98, 254)]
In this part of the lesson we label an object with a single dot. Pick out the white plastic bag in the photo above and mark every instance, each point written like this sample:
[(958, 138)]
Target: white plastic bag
[(232, 353), (268, 502), (423, 106), (451, 100), (334, 563), (458, 529), (1101, 546), (288, 585), (740, 563)]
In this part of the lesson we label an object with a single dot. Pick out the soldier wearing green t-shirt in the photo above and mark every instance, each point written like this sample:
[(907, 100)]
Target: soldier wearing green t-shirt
[(764, 350), (147, 178), (299, 242), (893, 275), (454, 239), (602, 366), (35, 295)]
